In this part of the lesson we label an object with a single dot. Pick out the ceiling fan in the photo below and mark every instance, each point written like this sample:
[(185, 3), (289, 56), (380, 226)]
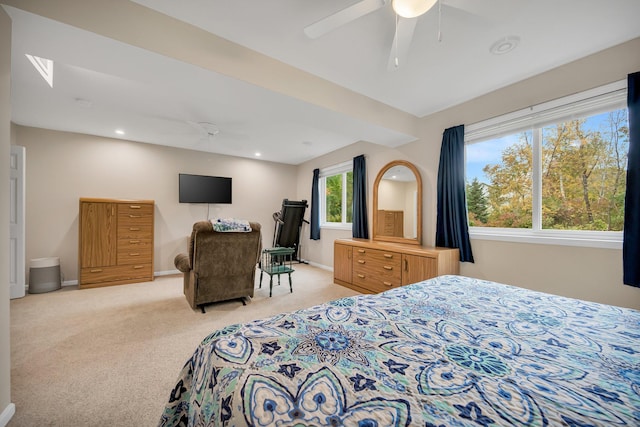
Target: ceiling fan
[(407, 13), (207, 131)]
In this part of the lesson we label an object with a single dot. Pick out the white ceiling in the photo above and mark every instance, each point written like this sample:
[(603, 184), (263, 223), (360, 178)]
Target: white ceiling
[(101, 84)]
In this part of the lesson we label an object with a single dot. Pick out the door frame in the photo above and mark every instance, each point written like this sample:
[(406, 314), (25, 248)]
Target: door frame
[(17, 262)]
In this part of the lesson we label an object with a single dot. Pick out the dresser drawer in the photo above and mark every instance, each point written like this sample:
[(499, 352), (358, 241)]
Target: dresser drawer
[(133, 215), (376, 270), (134, 231), (134, 251), (117, 273), (135, 210), (376, 280), (135, 244), (377, 256), (134, 256)]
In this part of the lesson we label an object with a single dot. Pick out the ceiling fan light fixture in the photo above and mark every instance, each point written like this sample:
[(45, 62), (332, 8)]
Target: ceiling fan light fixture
[(411, 8)]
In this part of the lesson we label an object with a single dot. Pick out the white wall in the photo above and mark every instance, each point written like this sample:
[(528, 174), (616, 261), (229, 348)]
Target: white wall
[(62, 167), (586, 273), (6, 407)]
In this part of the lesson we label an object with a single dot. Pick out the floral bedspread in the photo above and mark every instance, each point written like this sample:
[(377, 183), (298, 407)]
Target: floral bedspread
[(450, 351)]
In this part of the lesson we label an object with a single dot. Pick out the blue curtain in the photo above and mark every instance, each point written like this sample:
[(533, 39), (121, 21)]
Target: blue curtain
[(360, 227), (315, 206), (452, 230), (631, 233)]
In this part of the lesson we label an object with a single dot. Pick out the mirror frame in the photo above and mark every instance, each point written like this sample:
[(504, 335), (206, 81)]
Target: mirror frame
[(415, 171)]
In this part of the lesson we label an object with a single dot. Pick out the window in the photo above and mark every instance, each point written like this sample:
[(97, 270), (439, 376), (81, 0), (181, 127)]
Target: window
[(554, 173), (336, 201)]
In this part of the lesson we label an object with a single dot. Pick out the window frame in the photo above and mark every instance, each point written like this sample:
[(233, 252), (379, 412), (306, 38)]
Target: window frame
[(338, 169), (605, 98)]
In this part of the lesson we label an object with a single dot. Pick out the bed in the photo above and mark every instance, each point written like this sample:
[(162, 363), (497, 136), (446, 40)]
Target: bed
[(450, 351)]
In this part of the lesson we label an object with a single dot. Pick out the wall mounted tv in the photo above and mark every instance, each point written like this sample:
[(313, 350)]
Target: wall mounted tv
[(204, 189)]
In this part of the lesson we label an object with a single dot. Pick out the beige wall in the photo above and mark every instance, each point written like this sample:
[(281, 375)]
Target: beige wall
[(586, 273), (320, 252), (6, 407), (62, 167)]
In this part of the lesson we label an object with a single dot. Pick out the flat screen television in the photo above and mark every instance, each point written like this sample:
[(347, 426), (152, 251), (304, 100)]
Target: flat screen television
[(204, 189)]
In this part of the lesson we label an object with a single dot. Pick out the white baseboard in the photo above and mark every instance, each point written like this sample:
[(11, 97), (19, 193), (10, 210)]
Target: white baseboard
[(7, 414), (322, 266), (166, 273), (155, 274)]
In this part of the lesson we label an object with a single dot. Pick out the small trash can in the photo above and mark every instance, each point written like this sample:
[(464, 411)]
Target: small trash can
[(44, 275)]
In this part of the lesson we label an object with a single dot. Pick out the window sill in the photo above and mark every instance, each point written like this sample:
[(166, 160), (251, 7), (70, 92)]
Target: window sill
[(587, 239), (337, 226)]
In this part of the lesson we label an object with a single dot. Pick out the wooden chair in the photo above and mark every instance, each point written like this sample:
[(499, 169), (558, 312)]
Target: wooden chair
[(276, 261)]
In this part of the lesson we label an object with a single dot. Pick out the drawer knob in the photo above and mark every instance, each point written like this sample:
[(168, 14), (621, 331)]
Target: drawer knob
[(388, 267), (361, 276), (135, 216), (138, 267), (361, 251), (135, 207), (361, 261), (388, 255), (134, 228), (135, 254), (387, 284), (96, 270), (134, 241)]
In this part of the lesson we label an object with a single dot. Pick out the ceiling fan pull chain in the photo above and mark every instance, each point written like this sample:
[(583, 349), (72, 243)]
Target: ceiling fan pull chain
[(397, 64), (439, 20)]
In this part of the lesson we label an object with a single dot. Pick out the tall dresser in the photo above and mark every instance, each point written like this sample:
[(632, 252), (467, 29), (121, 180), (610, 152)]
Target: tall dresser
[(115, 242)]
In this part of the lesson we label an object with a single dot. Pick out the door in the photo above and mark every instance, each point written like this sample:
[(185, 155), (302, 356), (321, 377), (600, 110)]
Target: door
[(16, 222), (98, 227), (342, 263), (418, 268)]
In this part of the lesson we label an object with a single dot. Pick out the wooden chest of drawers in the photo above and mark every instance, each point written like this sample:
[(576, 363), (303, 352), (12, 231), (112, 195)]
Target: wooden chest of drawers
[(372, 267), (390, 223), (115, 242)]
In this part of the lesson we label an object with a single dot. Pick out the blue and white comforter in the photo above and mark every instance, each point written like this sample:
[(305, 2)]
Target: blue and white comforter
[(451, 351)]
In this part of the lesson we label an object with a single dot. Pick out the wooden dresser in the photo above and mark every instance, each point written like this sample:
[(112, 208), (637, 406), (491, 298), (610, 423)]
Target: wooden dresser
[(115, 242), (370, 267)]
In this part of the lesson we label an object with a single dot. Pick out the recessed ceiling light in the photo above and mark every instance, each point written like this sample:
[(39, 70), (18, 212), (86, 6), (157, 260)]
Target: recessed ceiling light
[(504, 45), (119, 131), (258, 154)]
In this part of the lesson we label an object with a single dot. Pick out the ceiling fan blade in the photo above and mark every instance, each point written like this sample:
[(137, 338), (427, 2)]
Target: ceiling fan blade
[(338, 19), (205, 128), (401, 43), (196, 126)]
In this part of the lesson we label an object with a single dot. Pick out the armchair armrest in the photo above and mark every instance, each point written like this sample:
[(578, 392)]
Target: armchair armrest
[(181, 262)]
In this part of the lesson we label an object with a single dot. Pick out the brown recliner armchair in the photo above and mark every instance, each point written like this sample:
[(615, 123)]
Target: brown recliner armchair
[(220, 265)]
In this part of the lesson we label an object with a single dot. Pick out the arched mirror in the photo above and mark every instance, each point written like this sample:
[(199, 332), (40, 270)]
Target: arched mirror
[(397, 204)]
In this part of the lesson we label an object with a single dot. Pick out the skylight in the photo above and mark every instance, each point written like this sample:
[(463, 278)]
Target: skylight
[(44, 67)]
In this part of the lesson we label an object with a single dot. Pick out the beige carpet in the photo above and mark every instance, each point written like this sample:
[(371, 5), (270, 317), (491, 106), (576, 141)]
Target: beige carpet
[(110, 356)]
